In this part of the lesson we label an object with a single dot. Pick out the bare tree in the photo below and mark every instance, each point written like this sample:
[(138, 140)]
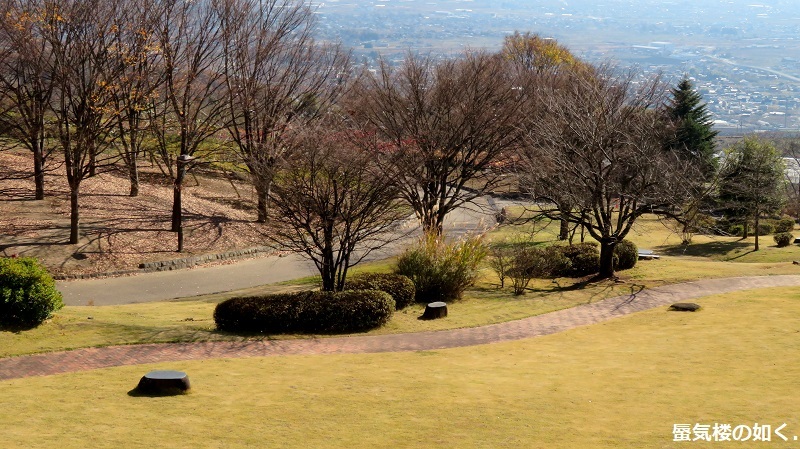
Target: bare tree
[(597, 144), (277, 76), (79, 33), (331, 203), (137, 54), (26, 81), (444, 126), (191, 97)]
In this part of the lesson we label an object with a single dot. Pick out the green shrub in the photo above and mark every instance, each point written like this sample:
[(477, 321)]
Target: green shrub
[(536, 263), (765, 228), (785, 224), (442, 271), (584, 259), (28, 294), (783, 239), (399, 287), (736, 230), (305, 312), (626, 254)]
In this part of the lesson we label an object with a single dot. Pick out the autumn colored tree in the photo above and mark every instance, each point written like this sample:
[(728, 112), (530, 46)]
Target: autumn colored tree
[(80, 34), (136, 52), (26, 81)]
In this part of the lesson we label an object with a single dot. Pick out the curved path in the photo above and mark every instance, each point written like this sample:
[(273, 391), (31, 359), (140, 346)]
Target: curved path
[(93, 358)]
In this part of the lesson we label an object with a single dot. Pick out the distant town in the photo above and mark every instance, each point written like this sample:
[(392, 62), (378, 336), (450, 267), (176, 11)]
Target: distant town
[(744, 56)]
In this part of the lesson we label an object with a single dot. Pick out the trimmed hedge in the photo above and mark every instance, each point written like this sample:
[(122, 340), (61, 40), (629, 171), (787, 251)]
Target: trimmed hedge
[(305, 312), (28, 294), (399, 287), (626, 254), (783, 239), (584, 259)]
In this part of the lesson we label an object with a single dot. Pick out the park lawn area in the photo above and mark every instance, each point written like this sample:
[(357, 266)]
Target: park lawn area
[(622, 383), (191, 319)]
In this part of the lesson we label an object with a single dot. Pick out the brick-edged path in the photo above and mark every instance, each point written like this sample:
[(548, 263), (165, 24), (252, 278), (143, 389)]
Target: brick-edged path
[(93, 358)]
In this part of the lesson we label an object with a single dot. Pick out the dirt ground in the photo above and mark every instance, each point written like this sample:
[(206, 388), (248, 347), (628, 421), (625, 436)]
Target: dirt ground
[(118, 232)]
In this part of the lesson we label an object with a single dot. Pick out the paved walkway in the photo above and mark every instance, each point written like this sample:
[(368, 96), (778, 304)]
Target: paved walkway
[(163, 285), (93, 358)]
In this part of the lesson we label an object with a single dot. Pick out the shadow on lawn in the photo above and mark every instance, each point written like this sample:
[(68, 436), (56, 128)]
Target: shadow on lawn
[(708, 249)]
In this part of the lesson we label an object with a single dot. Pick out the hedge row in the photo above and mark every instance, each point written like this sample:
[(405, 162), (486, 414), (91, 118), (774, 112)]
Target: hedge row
[(399, 287), (305, 312)]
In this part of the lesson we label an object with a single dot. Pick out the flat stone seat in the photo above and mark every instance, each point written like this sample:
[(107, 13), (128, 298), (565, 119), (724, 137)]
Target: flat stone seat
[(163, 382), (434, 310), (684, 307), (648, 254)]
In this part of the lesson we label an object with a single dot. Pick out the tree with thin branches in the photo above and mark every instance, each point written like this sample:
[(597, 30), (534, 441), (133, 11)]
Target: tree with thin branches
[(444, 126), (597, 144), (331, 202), (277, 78)]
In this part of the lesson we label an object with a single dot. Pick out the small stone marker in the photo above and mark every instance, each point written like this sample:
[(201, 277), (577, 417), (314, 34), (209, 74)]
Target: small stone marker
[(434, 310), (684, 307), (163, 383)]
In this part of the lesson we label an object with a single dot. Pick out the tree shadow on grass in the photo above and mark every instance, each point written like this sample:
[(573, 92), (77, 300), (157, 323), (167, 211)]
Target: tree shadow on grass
[(708, 249)]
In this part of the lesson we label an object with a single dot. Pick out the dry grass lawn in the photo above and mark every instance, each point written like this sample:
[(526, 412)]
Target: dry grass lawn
[(623, 383)]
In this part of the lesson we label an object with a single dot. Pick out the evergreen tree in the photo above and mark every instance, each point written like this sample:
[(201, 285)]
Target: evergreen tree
[(752, 183), (694, 136)]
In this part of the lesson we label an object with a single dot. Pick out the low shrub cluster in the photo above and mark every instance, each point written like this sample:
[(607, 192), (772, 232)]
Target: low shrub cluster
[(305, 312), (584, 259), (785, 224), (441, 271), (399, 287), (530, 262), (28, 294), (766, 228), (783, 239), (626, 254)]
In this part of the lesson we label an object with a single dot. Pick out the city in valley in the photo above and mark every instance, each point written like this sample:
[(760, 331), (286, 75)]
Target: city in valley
[(744, 56)]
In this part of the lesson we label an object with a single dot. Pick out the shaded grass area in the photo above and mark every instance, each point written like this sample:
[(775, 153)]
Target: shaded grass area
[(623, 383)]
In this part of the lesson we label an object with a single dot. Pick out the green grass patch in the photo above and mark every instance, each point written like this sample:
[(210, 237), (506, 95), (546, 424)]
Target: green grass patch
[(622, 383)]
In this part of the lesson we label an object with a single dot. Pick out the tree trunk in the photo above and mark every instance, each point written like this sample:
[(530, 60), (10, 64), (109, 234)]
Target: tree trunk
[(177, 217), (563, 232), (263, 202), (38, 172), (133, 174), (745, 230), (92, 161), (74, 215), (755, 225), (607, 258)]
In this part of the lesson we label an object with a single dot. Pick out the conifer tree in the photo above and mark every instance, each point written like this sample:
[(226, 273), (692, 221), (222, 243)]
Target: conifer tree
[(694, 135)]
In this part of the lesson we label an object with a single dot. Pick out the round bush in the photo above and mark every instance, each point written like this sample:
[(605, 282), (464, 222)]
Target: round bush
[(305, 312), (28, 294), (627, 254), (736, 230), (766, 228), (785, 224), (584, 259), (783, 239), (399, 287)]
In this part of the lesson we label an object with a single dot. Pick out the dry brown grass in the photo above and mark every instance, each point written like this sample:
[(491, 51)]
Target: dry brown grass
[(118, 231)]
